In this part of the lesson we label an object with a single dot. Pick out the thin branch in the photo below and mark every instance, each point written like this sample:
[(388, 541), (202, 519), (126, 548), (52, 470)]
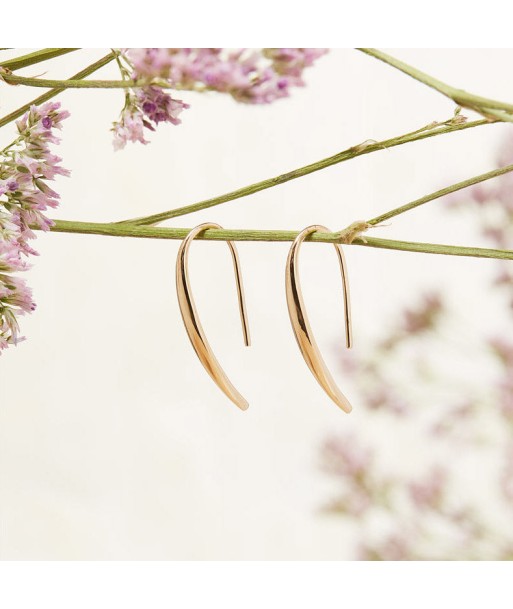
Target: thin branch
[(150, 232), (32, 58), (13, 79), (158, 232), (440, 193), (49, 94), (460, 97), (350, 153), (435, 248)]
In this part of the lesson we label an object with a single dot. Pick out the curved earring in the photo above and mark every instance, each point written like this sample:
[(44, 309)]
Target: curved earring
[(193, 324), (301, 325)]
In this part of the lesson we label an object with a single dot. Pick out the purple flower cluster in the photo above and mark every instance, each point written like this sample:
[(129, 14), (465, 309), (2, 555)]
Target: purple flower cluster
[(254, 76), (25, 168), (145, 107)]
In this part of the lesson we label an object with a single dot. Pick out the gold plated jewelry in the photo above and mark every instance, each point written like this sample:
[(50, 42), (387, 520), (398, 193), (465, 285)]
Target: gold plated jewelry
[(193, 324), (301, 325)]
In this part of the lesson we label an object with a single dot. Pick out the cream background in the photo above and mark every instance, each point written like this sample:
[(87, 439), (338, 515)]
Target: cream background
[(114, 443)]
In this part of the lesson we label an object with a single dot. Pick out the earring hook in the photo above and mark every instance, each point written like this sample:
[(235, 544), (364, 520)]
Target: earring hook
[(191, 320), (301, 325)]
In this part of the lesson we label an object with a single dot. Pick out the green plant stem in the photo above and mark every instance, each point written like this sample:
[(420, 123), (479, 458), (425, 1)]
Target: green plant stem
[(151, 232), (460, 97), (160, 232), (32, 58), (350, 153), (50, 94), (12, 79), (440, 193), (436, 248)]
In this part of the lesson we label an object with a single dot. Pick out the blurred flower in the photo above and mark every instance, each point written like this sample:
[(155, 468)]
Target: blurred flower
[(344, 457), (255, 76), (424, 316), (505, 396), (394, 547), (503, 348), (384, 397), (249, 75), (396, 374), (507, 475), (428, 493), (454, 417)]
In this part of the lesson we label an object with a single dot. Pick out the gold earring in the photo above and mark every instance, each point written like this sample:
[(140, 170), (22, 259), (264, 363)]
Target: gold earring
[(193, 324), (301, 325)]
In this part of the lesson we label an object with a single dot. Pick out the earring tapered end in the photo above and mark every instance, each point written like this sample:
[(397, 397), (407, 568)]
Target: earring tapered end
[(342, 402)]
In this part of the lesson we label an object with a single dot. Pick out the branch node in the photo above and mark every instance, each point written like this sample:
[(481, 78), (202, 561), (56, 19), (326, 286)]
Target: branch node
[(6, 72), (353, 231)]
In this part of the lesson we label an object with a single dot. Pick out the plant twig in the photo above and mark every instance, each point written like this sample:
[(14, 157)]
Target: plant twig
[(159, 232), (49, 94), (436, 248), (350, 153), (151, 232), (440, 193), (13, 79), (480, 104), (32, 58)]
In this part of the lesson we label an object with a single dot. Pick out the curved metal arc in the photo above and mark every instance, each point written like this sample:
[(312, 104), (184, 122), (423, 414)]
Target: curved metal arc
[(192, 322), (301, 325)]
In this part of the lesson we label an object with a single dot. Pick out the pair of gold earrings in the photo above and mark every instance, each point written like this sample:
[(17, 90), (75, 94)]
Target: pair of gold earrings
[(297, 313)]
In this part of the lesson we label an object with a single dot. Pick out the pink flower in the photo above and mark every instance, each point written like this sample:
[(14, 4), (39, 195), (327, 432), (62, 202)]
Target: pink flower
[(26, 167), (148, 105), (255, 76), (129, 129), (503, 348), (396, 546), (424, 316), (159, 107), (505, 388), (345, 457), (507, 475), (428, 493)]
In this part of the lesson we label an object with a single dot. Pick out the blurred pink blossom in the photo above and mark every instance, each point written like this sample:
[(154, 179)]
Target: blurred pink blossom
[(254, 76), (428, 493)]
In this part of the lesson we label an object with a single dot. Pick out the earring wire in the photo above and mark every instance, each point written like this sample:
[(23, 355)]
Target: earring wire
[(301, 325), (191, 320)]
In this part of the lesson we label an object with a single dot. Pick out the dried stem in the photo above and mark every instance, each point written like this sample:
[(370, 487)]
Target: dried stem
[(351, 153), (440, 193), (71, 83), (487, 107), (32, 58), (343, 236), (49, 94)]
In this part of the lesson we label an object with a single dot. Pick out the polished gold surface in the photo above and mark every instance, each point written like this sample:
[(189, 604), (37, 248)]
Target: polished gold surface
[(193, 324), (301, 325)]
